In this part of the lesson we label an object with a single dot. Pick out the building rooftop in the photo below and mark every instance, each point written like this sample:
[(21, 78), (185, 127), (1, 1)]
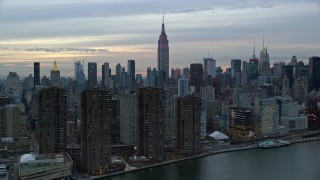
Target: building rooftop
[(30, 161)]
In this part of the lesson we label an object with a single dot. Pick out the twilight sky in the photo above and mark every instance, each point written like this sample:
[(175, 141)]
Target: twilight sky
[(115, 31)]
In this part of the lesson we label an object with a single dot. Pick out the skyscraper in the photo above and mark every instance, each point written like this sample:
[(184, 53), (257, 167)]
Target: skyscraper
[(52, 120), (235, 67), (92, 75), (264, 66), (236, 71), (188, 124), (131, 69), (245, 70), (79, 76), (196, 76), (209, 66), (253, 69), (118, 73), (131, 72), (314, 73), (183, 86), (13, 84), (150, 119), (127, 118), (95, 131), (55, 75), (105, 74), (294, 60), (36, 72), (163, 52), (278, 68), (186, 72)]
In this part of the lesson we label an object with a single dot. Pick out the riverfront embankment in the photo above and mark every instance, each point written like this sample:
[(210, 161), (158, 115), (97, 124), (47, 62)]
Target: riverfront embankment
[(226, 149)]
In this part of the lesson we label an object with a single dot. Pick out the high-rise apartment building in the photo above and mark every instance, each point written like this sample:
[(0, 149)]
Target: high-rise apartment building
[(92, 75), (314, 73), (127, 118), (36, 73), (52, 120), (188, 124), (163, 52), (150, 119), (95, 131), (10, 121)]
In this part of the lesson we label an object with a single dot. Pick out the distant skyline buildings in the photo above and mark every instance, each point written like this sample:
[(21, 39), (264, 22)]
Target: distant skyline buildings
[(55, 75), (92, 75), (264, 63), (79, 76), (209, 67), (36, 73), (19, 47)]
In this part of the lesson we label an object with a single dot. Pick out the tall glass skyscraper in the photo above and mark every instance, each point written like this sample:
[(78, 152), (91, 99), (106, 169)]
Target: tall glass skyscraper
[(92, 75), (36, 73), (79, 76)]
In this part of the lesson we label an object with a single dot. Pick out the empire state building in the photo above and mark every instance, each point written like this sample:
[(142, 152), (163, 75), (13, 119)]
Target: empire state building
[(163, 52)]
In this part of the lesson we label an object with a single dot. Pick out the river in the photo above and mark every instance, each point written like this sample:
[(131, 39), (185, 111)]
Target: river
[(295, 162)]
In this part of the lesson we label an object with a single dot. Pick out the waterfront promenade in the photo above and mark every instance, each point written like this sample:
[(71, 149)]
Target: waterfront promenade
[(226, 149)]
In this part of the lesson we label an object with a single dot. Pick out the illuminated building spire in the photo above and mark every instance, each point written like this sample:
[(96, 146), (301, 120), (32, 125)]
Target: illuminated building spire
[(55, 67)]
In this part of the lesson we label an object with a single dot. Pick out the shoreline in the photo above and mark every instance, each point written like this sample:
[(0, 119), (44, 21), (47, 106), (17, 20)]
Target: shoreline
[(196, 157)]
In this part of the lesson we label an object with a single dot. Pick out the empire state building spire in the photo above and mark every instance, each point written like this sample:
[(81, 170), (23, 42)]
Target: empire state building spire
[(163, 52), (163, 31)]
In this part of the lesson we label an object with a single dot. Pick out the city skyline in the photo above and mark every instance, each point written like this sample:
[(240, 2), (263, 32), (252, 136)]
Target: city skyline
[(35, 32)]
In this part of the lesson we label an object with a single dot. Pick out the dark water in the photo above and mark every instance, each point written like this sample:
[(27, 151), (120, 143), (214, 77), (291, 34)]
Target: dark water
[(296, 162)]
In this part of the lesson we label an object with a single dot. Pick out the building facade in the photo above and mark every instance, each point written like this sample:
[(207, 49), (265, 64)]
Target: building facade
[(36, 73), (150, 119), (52, 120), (188, 114), (95, 131), (128, 129), (55, 75), (209, 66), (196, 76), (314, 73), (92, 75)]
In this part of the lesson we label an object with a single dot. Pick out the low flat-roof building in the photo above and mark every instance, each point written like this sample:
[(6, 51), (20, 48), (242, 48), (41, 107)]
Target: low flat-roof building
[(44, 166)]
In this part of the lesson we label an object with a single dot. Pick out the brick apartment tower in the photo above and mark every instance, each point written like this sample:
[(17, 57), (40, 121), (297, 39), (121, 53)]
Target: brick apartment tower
[(188, 124), (52, 120), (95, 131), (150, 117)]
